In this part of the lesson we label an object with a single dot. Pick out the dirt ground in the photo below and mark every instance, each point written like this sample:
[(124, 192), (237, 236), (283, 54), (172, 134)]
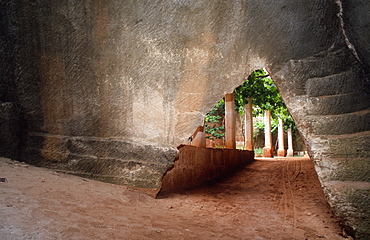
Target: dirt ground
[(279, 199)]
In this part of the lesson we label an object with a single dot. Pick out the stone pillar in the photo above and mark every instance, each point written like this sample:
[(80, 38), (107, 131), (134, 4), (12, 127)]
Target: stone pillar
[(230, 121), (248, 119), (199, 137), (281, 150), (268, 151), (290, 151)]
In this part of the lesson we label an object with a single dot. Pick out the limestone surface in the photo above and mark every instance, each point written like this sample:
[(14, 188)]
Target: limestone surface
[(109, 89)]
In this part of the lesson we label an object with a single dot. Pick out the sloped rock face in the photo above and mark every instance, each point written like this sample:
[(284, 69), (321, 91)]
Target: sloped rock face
[(109, 89), (328, 95), (335, 125)]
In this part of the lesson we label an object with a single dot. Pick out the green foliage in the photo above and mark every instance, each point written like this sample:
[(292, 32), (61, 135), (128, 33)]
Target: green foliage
[(216, 132), (274, 125), (266, 96), (258, 151), (261, 88), (260, 126), (283, 113), (213, 121)]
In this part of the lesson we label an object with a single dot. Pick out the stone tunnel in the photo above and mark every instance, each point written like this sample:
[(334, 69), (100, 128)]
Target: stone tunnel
[(108, 89)]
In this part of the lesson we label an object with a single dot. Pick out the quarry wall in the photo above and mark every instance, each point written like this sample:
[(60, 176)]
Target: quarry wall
[(108, 89)]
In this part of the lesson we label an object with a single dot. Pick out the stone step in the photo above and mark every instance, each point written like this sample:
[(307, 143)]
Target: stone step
[(297, 71), (350, 201), (340, 124), (317, 66), (344, 169), (337, 104), (344, 82), (344, 146), (348, 145)]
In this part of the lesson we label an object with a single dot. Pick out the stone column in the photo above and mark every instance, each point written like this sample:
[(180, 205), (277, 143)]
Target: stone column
[(248, 121), (281, 150), (290, 151), (268, 151), (230, 121), (199, 137)]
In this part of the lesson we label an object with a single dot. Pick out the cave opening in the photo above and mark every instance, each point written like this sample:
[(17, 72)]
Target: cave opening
[(234, 132)]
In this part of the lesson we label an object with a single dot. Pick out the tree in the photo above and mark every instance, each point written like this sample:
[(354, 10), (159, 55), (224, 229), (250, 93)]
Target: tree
[(261, 88)]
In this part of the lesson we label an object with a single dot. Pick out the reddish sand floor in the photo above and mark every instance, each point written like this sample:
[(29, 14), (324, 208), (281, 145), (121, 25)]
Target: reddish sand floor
[(279, 199)]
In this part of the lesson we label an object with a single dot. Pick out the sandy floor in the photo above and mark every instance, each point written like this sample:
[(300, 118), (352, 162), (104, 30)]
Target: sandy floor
[(265, 200)]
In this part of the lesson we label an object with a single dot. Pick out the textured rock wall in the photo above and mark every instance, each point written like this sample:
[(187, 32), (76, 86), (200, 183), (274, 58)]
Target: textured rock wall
[(331, 109), (356, 24), (328, 95), (9, 108), (109, 89)]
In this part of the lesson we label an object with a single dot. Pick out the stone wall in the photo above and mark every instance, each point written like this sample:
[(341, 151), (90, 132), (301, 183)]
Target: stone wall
[(10, 129), (9, 108), (195, 165), (109, 89), (330, 106)]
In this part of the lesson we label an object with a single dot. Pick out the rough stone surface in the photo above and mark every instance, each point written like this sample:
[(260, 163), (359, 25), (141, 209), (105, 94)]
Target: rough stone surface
[(334, 84), (7, 65), (357, 26), (359, 122), (107, 159), (109, 89), (350, 201), (10, 129)]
